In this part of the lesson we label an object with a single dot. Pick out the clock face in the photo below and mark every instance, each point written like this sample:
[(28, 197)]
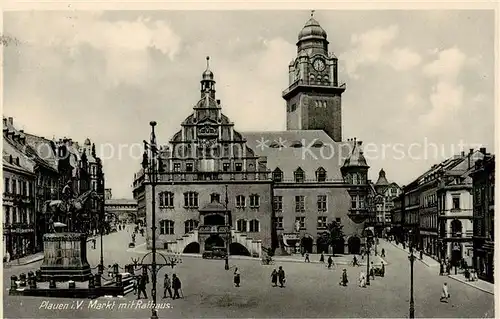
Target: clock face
[(319, 65)]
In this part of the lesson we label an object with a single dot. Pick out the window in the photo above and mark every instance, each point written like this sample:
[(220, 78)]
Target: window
[(6, 187), (254, 201), (254, 226), (337, 220), (361, 201), (299, 175), (456, 202), (354, 202), (321, 203), (14, 187), (355, 179), (321, 222), (177, 167), (191, 200), (277, 175), (241, 225), (238, 167), (278, 203), (299, 203), (166, 199), (190, 225), (189, 167), (321, 174), (215, 198), (225, 167), (279, 222), (301, 221), (166, 227), (240, 201)]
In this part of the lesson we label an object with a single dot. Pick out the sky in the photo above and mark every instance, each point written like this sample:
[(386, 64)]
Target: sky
[(416, 80)]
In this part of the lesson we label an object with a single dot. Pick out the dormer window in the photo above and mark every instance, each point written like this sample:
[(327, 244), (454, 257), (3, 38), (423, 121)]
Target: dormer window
[(299, 175), (277, 175), (321, 174), (215, 198)]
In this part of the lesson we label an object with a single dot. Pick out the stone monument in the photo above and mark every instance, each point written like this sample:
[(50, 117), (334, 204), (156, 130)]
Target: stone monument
[(65, 245)]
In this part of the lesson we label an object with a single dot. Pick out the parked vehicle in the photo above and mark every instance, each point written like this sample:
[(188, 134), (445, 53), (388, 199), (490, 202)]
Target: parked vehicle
[(215, 253)]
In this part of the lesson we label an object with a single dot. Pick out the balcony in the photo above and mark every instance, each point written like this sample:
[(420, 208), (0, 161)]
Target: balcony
[(214, 229), (315, 86), (359, 215)]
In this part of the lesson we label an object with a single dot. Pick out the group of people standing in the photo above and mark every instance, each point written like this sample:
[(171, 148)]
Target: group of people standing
[(141, 281)]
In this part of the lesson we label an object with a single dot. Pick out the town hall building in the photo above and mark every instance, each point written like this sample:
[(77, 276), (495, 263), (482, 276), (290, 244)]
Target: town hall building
[(255, 191)]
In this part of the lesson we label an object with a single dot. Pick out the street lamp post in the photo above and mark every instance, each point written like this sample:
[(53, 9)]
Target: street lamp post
[(151, 164), (226, 261), (101, 216), (368, 237), (411, 257)]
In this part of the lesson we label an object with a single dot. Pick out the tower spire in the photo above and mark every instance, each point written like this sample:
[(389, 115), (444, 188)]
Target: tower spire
[(312, 13), (208, 63)]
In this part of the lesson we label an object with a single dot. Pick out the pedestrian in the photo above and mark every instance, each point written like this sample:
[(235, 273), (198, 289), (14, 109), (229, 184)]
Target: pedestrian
[(141, 287), (445, 294), (322, 258), (382, 271), (307, 258), (274, 278), (281, 276), (176, 285), (441, 268), (237, 277), (355, 261), (383, 253), (372, 271), (362, 279), (343, 279), (167, 286), (330, 262), (421, 254)]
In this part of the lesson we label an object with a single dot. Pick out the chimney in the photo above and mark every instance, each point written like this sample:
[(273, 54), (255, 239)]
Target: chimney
[(462, 154), (469, 157), (11, 121), (218, 102), (483, 150)]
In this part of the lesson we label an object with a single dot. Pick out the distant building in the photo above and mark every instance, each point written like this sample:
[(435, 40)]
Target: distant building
[(483, 179), (107, 193), (381, 202), (122, 209)]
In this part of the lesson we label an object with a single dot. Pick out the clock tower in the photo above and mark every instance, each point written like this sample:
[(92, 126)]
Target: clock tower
[(313, 97)]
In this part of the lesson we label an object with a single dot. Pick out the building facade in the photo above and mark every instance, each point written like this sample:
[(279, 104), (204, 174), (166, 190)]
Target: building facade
[(122, 210), (483, 177), (283, 187)]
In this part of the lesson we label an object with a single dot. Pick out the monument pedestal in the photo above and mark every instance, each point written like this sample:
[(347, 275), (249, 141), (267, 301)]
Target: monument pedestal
[(65, 257)]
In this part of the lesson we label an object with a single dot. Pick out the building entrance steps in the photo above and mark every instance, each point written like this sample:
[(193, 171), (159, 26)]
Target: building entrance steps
[(478, 284)]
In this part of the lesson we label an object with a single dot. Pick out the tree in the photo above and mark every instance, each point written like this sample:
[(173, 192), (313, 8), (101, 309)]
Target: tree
[(335, 234)]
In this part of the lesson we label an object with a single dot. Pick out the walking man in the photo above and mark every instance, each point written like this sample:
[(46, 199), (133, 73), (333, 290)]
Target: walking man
[(167, 285), (445, 294), (142, 287), (343, 280), (383, 253), (307, 258), (281, 276), (237, 278), (355, 261), (322, 258), (330, 262), (176, 284), (274, 277), (372, 271)]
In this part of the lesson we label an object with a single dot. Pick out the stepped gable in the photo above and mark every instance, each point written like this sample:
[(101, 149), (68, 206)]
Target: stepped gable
[(307, 149)]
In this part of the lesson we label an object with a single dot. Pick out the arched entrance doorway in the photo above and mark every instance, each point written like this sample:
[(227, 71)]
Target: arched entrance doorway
[(214, 241), (338, 246), (214, 219), (192, 248), (354, 245), (456, 253), (307, 244), (322, 243), (238, 249)]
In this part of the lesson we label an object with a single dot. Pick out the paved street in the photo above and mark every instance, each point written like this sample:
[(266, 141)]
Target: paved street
[(312, 291)]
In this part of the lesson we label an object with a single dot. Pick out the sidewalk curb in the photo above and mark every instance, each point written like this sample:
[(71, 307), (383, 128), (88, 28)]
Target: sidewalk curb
[(471, 285), (421, 260), (15, 264)]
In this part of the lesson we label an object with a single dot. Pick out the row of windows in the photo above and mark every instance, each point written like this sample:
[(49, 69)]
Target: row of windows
[(299, 175), (167, 226), (322, 222), (13, 186), (14, 214), (226, 167), (191, 200), (358, 202), (430, 200), (300, 205)]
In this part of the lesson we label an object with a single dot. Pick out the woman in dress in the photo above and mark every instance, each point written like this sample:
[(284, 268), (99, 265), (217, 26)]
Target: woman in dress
[(237, 278)]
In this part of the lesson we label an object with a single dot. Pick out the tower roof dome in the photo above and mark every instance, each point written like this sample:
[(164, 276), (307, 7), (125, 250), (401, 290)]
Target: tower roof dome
[(207, 74), (312, 29)]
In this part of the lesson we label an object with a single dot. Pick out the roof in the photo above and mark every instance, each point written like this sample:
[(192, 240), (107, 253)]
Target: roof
[(213, 207), (307, 149), (312, 29), (121, 201), (382, 180), (43, 148), (25, 162)]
